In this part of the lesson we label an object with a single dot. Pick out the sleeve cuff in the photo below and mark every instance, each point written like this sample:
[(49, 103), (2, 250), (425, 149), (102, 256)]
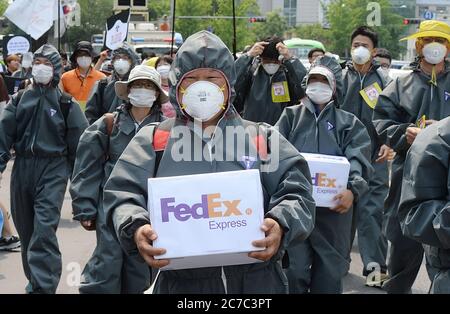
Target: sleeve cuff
[(126, 236)]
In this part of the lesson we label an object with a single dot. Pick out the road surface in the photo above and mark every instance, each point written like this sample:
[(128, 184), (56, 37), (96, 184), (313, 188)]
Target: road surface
[(76, 246)]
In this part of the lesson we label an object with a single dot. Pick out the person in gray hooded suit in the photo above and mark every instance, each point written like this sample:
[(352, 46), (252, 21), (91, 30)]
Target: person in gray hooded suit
[(109, 270), (103, 97), (407, 106), (266, 85), (204, 66), (44, 127), (424, 211), (318, 126)]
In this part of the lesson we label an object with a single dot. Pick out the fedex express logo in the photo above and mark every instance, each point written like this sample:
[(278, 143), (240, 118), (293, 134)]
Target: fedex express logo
[(210, 207), (321, 180)]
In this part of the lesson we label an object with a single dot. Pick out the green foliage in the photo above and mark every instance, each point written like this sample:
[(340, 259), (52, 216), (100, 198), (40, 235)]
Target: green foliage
[(346, 15), (343, 17), (3, 6), (275, 24), (158, 8), (94, 14), (316, 32), (188, 27), (224, 27)]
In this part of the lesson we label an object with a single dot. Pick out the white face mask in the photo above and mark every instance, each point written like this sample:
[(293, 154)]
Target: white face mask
[(27, 64), (202, 100), (434, 52), (385, 72), (142, 97), (27, 60), (42, 73), (163, 70), (271, 68), (360, 55), (319, 93), (84, 62), (121, 66)]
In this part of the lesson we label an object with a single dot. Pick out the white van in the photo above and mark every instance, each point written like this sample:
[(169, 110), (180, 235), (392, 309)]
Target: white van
[(158, 49)]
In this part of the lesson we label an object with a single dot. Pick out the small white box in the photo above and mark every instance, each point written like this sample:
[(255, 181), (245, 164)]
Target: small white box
[(207, 220), (329, 177)]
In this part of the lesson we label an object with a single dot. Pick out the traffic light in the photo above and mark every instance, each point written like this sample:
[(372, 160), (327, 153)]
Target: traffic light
[(411, 21), (255, 19), (136, 3)]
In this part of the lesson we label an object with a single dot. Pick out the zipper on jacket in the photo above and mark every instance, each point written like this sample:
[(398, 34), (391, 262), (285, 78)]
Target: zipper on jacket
[(33, 141), (32, 144), (317, 122), (361, 83), (224, 279)]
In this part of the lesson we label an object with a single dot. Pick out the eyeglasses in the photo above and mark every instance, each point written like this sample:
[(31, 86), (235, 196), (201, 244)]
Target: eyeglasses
[(143, 84), (429, 40)]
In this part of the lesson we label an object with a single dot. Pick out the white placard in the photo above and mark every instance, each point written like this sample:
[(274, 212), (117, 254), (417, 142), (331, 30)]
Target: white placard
[(208, 219), (116, 35), (18, 44), (33, 17)]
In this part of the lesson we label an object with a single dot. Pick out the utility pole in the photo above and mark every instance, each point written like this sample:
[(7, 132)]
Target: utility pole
[(234, 32), (174, 5), (59, 25)]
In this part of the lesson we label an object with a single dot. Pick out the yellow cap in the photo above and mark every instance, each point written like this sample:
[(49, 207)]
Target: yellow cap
[(431, 28)]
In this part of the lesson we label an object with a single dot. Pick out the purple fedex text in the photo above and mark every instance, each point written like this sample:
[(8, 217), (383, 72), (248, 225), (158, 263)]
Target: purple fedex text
[(205, 209)]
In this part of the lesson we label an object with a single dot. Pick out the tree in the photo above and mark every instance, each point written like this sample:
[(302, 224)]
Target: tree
[(94, 14), (316, 32), (224, 27), (275, 24), (346, 15), (158, 8), (3, 6), (190, 26)]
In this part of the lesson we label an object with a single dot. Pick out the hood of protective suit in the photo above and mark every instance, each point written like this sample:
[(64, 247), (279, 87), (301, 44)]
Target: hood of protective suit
[(127, 50), (332, 65), (51, 53), (202, 50)]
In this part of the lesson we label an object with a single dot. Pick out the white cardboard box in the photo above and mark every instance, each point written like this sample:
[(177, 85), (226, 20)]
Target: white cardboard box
[(207, 220), (329, 177)]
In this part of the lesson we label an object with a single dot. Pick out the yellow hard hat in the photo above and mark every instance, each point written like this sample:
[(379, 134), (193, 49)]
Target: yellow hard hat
[(431, 28), (151, 62)]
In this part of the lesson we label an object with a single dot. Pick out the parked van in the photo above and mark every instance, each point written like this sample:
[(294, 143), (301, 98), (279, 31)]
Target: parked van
[(301, 47)]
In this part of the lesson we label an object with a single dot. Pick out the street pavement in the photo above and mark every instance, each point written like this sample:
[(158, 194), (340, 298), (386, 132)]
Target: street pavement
[(77, 245)]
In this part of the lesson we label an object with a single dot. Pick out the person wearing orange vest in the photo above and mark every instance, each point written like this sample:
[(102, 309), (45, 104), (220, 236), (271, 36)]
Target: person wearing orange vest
[(79, 81)]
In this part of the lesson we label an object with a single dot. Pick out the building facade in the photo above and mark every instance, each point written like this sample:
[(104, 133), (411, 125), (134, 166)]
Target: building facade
[(297, 12)]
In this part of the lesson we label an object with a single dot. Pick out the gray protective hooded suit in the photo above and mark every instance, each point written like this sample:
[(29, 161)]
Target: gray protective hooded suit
[(254, 88), (45, 144), (424, 210), (108, 270), (368, 213), (287, 190), (401, 105), (319, 264), (103, 97)]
